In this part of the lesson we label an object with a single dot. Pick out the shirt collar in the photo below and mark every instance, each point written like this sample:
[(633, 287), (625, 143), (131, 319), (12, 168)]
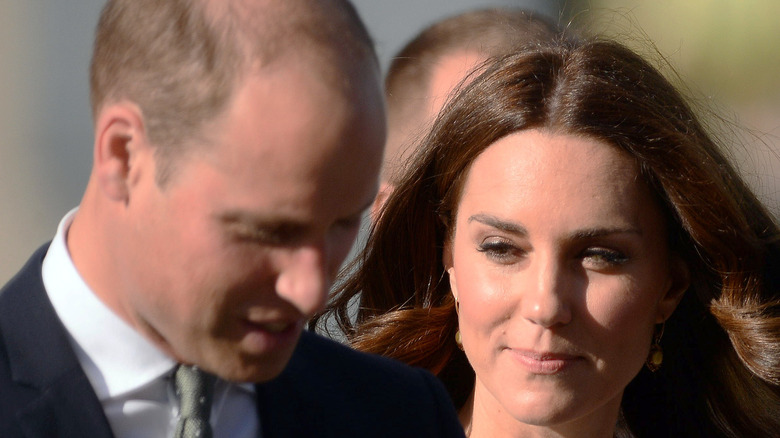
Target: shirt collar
[(116, 364)]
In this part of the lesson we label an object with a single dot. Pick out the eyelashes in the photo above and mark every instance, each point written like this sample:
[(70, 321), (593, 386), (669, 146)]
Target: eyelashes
[(500, 250), (503, 251), (603, 258), (606, 255)]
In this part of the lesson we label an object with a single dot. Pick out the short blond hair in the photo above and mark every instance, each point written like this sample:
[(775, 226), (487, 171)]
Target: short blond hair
[(180, 60)]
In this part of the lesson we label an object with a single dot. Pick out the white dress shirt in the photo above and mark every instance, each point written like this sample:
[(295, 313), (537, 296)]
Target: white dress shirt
[(131, 376)]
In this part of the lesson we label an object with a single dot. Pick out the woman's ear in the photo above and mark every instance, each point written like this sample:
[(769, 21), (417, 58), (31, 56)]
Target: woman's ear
[(679, 281), (119, 138), (453, 283), (449, 268), (446, 255)]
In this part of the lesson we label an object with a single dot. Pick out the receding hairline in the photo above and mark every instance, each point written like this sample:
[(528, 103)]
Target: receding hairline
[(292, 25), (261, 31), (328, 36)]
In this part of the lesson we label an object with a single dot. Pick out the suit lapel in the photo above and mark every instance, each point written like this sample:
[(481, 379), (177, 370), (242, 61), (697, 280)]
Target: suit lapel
[(285, 403), (278, 410), (56, 399)]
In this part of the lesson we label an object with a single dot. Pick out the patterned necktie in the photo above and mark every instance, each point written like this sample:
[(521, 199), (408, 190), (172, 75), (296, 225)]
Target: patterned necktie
[(195, 389)]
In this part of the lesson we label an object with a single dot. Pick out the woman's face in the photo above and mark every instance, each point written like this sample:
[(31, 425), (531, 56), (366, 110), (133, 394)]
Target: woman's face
[(561, 267)]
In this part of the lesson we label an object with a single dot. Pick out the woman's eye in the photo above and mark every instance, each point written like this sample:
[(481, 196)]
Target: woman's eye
[(603, 258), (500, 250)]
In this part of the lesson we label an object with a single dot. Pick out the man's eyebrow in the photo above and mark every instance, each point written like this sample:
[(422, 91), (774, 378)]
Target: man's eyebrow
[(272, 229), (273, 224), (235, 216), (500, 224)]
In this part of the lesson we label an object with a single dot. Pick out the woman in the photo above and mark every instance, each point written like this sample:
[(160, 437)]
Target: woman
[(568, 220)]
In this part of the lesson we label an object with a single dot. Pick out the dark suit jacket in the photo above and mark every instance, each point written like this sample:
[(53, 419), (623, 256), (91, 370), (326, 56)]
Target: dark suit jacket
[(327, 390)]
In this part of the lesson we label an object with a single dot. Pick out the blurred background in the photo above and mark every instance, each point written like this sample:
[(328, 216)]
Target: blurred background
[(727, 52)]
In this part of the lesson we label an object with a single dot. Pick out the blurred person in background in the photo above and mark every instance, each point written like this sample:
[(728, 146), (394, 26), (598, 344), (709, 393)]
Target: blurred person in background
[(433, 64)]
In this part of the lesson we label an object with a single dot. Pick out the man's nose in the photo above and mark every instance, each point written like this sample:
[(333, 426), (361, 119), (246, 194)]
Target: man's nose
[(304, 280)]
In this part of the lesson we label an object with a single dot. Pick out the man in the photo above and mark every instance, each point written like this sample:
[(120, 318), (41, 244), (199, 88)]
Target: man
[(434, 63), (236, 145)]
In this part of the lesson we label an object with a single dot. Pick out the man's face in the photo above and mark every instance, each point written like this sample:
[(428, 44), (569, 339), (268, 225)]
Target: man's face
[(226, 263)]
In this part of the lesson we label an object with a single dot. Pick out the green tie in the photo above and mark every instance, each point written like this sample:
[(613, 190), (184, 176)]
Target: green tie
[(195, 389)]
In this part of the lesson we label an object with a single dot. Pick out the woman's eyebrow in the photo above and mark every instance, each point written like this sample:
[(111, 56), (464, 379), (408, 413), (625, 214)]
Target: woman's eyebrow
[(586, 233), (492, 221)]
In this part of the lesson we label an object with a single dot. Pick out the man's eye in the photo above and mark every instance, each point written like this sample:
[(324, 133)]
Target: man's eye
[(255, 235)]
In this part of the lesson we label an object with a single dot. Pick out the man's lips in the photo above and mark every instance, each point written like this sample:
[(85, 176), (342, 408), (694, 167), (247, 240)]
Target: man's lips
[(262, 337), (274, 327)]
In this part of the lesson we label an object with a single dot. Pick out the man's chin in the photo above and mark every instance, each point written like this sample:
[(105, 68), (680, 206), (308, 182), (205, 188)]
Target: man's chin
[(255, 368), (269, 370)]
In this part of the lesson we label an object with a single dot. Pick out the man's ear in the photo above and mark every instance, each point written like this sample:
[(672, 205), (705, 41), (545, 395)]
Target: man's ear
[(120, 136), (679, 281)]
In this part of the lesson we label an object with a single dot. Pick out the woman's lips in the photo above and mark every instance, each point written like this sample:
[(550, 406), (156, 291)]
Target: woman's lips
[(546, 363)]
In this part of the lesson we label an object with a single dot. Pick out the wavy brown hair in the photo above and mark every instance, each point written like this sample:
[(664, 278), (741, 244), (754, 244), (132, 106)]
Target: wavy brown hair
[(721, 375)]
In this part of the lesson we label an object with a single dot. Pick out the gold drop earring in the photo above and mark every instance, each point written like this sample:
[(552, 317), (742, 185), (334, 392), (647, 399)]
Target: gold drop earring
[(656, 356)]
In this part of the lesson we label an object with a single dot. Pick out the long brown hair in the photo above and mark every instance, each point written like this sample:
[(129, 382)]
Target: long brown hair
[(721, 375)]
